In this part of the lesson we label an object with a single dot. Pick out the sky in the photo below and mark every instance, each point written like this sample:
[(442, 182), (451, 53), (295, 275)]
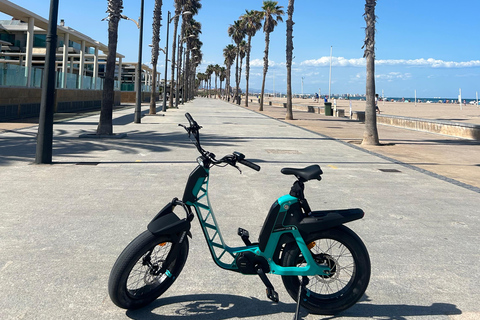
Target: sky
[(430, 47)]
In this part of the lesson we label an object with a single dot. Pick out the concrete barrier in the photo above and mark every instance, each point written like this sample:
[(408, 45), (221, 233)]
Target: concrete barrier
[(450, 128), (359, 116)]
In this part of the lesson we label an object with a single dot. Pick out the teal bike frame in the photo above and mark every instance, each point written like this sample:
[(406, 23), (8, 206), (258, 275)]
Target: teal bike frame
[(224, 256)]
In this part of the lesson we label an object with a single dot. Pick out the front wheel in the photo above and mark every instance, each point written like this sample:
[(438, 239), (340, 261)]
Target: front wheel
[(345, 254), (136, 278)]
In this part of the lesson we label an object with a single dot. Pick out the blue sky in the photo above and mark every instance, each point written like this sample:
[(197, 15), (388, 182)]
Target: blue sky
[(431, 47)]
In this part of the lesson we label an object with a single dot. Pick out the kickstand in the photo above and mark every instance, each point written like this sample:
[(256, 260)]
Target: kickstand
[(302, 287)]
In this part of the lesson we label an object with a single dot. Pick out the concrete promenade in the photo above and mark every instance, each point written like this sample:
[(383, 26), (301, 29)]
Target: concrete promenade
[(63, 225)]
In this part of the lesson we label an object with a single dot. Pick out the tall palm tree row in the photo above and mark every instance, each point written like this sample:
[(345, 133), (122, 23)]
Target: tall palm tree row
[(290, 23), (272, 14), (237, 32), (197, 57), (191, 34), (370, 135), (157, 22), (190, 30), (252, 21), (192, 63), (178, 11), (229, 53), (105, 124)]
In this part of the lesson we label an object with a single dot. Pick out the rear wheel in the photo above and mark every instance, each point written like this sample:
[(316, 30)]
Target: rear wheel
[(136, 278), (345, 254)]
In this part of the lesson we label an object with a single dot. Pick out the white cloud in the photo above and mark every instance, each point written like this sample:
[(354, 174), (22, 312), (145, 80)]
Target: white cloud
[(393, 76), (336, 62), (361, 62), (259, 63)]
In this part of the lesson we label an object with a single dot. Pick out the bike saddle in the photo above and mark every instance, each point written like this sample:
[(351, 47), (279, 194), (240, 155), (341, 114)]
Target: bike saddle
[(305, 174)]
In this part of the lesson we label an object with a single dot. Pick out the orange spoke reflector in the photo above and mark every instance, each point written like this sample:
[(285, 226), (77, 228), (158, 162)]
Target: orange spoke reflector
[(162, 244), (311, 245)]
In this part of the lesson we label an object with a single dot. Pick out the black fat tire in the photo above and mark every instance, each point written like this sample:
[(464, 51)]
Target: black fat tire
[(131, 258), (331, 302)]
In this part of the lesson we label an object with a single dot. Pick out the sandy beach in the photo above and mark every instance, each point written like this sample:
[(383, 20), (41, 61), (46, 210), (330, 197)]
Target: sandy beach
[(440, 111)]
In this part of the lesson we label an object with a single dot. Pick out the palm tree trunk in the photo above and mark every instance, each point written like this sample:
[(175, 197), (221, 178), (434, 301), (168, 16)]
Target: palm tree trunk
[(227, 83), (236, 76), (174, 47), (105, 124), (240, 77), (265, 69), (157, 17), (290, 23), (187, 74), (370, 135), (247, 69)]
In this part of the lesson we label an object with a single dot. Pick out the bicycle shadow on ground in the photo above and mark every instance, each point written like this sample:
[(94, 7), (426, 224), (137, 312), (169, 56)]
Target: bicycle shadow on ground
[(225, 306), (210, 307)]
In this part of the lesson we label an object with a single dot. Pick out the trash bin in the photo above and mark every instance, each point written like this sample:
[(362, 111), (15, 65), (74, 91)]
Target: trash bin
[(328, 109)]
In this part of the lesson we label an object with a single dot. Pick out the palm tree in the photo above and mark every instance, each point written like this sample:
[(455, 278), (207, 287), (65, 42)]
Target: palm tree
[(216, 70), (105, 125), (229, 53), (252, 23), (157, 22), (291, 3), (222, 75), (209, 72), (242, 49), (237, 32), (370, 136), (271, 13)]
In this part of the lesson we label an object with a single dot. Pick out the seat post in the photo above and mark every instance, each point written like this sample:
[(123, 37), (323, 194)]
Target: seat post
[(297, 191)]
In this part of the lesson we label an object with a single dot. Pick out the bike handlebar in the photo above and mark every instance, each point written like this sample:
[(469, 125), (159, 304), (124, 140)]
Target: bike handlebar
[(230, 159), (249, 164)]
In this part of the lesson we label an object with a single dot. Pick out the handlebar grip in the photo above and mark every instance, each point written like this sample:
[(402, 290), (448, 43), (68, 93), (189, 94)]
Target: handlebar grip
[(249, 164)]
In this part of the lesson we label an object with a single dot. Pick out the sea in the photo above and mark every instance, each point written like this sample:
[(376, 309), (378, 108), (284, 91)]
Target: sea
[(419, 100)]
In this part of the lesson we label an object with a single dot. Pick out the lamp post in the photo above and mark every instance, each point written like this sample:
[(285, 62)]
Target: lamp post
[(169, 20), (43, 153), (138, 80)]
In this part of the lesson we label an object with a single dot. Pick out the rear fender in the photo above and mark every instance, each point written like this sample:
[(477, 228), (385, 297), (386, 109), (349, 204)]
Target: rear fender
[(323, 220)]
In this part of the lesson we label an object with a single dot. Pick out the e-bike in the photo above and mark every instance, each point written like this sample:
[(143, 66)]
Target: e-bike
[(325, 266)]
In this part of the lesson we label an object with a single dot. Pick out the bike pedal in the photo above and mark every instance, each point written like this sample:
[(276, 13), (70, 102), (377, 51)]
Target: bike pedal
[(245, 235), (272, 295)]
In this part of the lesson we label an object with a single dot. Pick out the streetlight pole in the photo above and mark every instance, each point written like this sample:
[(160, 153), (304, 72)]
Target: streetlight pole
[(138, 81), (164, 109), (43, 153)]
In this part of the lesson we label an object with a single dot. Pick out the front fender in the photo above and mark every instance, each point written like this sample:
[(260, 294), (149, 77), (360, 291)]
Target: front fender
[(166, 222)]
